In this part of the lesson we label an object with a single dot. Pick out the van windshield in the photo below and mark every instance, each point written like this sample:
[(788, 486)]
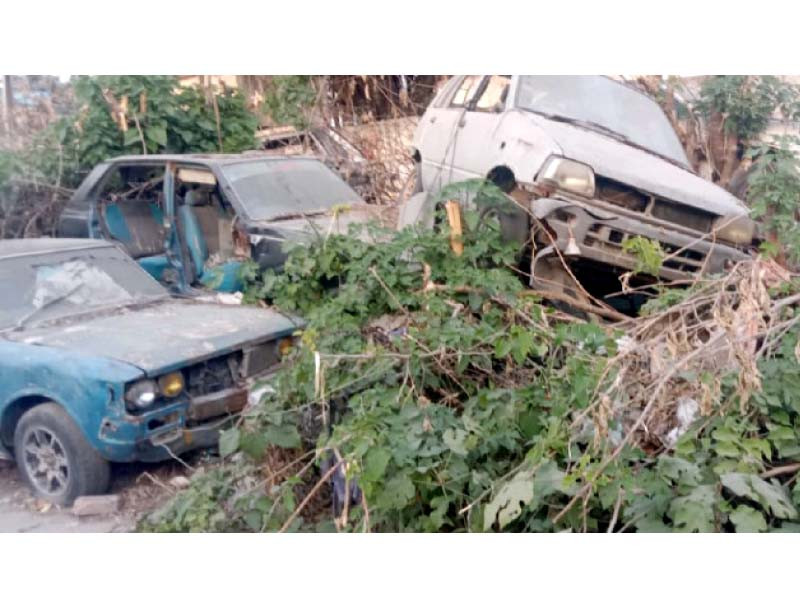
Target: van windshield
[(609, 106)]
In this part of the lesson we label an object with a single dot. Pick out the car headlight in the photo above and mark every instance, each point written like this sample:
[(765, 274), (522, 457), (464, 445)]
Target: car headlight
[(285, 346), (568, 175), (142, 394), (171, 384), (738, 229)]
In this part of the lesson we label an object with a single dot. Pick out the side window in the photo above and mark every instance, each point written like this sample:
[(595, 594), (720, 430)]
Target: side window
[(466, 91), (131, 207), (493, 98), (131, 181)]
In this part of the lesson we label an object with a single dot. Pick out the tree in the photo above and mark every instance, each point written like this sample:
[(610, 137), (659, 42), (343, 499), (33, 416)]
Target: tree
[(719, 117)]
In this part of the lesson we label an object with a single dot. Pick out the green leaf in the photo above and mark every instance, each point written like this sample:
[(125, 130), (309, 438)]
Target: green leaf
[(284, 436), (253, 444), (397, 492), (694, 512), (157, 134), (769, 496), (131, 137), (679, 470), (547, 480), (748, 520), (508, 502), (375, 464), (229, 442), (454, 439)]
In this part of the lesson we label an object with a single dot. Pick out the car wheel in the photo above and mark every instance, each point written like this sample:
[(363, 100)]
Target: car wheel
[(54, 457), (412, 185)]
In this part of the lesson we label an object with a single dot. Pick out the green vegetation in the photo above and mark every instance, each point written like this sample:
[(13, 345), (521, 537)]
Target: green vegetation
[(460, 403), (131, 114)]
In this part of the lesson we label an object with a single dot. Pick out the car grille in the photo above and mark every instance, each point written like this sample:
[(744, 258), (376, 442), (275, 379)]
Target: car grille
[(258, 359), (225, 372), (213, 375), (619, 194), (611, 239)]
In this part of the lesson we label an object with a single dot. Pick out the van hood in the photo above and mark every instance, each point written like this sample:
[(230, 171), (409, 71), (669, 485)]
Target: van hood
[(163, 336), (640, 169)]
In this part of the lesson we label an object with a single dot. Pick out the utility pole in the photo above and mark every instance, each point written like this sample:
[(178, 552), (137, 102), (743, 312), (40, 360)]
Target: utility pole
[(8, 104)]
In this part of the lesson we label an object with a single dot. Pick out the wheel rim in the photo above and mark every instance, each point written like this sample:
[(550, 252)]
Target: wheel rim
[(45, 461)]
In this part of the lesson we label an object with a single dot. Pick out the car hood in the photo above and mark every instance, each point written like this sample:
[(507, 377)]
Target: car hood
[(301, 228), (632, 166), (163, 336)]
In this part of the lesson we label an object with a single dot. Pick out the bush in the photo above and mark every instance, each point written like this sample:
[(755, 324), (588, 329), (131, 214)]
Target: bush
[(460, 403)]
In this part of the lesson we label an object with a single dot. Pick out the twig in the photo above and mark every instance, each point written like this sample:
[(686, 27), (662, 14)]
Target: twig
[(141, 135), (609, 313), (782, 470), (155, 480), (615, 514), (365, 507), (308, 497)]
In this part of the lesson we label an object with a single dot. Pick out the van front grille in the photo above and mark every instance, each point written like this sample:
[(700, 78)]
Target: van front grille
[(625, 196)]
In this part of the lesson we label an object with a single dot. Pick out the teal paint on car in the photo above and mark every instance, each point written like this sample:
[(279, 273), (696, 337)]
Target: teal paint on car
[(89, 342)]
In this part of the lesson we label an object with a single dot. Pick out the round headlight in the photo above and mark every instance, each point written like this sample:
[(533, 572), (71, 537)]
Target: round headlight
[(171, 384), (142, 393), (285, 346)]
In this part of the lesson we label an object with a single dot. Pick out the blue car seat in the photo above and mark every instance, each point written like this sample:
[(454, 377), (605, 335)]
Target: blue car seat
[(200, 222), (139, 226)]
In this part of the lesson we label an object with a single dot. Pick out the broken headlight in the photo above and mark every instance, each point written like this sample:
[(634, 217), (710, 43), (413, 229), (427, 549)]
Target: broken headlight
[(568, 175), (141, 394), (738, 229)]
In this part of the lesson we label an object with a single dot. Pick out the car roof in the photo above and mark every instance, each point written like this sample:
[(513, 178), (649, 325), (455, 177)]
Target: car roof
[(205, 159), (24, 247)]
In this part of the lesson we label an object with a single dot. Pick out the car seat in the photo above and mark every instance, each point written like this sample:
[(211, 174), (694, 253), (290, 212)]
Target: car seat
[(139, 226), (199, 221)]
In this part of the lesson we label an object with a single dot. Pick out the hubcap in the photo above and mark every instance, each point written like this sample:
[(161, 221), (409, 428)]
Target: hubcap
[(45, 460)]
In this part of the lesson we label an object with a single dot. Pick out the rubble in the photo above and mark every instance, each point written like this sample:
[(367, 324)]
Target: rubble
[(86, 506)]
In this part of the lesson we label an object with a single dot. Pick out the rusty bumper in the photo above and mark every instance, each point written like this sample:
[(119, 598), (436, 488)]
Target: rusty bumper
[(600, 234)]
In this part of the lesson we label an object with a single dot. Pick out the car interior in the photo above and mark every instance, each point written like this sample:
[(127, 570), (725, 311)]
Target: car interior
[(132, 206), (131, 210), (207, 227)]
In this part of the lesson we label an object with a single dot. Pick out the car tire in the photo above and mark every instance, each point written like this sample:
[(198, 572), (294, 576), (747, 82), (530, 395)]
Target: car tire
[(55, 459), (417, 178), (412, 185)]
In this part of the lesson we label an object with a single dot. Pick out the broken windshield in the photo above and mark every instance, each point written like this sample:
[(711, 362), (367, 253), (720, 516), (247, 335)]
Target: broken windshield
[(272, 189), (39, 287), (602, 104)]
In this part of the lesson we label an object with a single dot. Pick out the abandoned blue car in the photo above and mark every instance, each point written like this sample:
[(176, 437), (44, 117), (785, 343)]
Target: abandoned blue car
[(99, 364)]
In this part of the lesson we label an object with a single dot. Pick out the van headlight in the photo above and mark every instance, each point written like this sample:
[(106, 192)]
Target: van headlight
[(738, 230), (568, 175), (142, 394)]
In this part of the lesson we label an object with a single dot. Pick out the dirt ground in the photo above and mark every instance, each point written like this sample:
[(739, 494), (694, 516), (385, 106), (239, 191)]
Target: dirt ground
[(142, 488)]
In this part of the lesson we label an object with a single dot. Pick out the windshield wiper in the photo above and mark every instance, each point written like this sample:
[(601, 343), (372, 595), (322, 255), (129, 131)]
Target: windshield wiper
[(589, 125), (47, 304), (621, 137)]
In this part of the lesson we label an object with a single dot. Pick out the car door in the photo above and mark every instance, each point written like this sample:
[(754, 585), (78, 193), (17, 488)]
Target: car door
[(438, 132), (476, 145)]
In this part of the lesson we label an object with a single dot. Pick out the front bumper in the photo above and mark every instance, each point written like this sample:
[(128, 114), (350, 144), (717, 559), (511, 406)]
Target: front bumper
[(599, 235), (173, 429)]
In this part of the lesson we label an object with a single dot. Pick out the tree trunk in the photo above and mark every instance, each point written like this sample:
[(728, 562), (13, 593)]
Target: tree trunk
[(8, 105)]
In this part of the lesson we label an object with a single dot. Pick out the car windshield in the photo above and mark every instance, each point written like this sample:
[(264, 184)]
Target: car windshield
[(604, 103), (271, 189), (46, 286)]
